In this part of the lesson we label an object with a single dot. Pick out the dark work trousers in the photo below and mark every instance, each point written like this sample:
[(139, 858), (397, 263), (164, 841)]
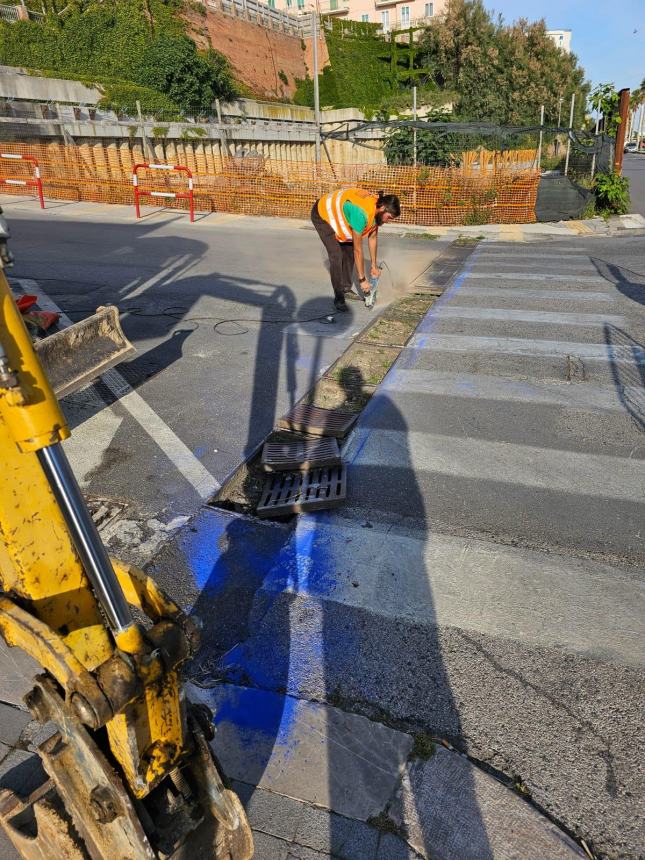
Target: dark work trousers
[(341, 256)]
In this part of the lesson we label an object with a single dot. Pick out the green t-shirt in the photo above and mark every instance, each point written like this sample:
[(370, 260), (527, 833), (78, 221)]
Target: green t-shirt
[(356, 217)]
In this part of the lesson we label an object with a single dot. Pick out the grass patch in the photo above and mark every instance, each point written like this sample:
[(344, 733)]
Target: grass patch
[(390, 332), (328, 394), (427, 236), (362, 365), (423, 748), (384, 824)]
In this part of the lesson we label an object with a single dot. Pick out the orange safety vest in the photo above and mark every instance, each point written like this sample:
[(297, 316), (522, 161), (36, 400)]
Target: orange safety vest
[(330, 209)]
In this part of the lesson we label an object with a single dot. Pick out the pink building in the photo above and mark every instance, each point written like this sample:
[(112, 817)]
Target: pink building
[(390, 14)]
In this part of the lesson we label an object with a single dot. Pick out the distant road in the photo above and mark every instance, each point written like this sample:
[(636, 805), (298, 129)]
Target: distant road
[(634, 169)]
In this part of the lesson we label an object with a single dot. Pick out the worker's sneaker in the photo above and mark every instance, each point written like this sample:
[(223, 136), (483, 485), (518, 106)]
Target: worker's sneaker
[(341, 305)]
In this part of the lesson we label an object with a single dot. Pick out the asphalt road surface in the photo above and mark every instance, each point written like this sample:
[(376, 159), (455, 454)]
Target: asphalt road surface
[(483, 582), (229, 319)]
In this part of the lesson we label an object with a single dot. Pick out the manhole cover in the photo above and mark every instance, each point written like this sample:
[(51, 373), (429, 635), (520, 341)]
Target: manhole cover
[(300, 454), (297, 492), (317, 421), (104, 511)]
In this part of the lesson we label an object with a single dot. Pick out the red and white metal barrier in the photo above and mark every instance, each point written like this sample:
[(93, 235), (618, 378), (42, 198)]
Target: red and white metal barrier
[(34, 182), (179, 195)]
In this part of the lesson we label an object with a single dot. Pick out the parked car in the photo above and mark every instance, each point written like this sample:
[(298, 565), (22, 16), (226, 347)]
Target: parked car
[(631, 146)]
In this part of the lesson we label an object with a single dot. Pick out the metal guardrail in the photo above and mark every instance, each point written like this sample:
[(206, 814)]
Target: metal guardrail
[(9, 13), (12, 14), (263, 15)]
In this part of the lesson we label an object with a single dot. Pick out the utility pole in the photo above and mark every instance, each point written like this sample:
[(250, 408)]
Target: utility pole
[(314, 37), (414, 130), (623, 110), (414, 144), (566, 161), (539, 153), (557, 138), (147, 152), (593, 160)]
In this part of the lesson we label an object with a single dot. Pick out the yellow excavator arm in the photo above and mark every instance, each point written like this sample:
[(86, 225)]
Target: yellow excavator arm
[(131, 773)]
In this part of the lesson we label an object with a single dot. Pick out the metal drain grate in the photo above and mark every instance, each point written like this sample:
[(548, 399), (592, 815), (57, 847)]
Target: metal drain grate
[(300, 454), (317, 421), (297, 492)]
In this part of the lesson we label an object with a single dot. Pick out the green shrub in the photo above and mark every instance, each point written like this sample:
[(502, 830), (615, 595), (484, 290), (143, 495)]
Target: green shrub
[(433, 148), (118, 42), (123, 96), (611, 193)]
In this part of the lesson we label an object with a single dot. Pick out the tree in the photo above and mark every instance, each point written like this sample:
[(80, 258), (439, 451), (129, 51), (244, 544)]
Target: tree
[(502, 73), (605, 100), (171, 64), (118, 44)]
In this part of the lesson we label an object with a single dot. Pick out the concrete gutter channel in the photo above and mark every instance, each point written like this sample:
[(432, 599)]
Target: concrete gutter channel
[(322, 775)]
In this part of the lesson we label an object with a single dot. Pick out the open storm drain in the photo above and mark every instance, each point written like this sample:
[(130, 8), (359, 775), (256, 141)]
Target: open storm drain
[(297, 492), (300, 454), (317, 421)]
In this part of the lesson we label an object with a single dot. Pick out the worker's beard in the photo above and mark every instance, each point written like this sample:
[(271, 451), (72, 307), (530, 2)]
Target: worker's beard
[(379, 218)]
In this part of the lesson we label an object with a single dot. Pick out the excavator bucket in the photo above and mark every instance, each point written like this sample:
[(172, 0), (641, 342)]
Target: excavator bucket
[(77, 355)]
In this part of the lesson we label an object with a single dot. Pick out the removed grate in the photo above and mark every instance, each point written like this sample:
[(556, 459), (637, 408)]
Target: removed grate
[(317, 421), (300, 454), (297, 492)]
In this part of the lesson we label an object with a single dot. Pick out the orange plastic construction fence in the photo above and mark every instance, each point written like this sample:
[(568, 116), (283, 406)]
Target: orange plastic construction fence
[(30, 182), (499, 193)]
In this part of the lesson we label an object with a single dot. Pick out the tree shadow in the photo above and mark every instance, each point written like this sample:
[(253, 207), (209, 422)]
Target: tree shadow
[(625, 281), (627, 363)]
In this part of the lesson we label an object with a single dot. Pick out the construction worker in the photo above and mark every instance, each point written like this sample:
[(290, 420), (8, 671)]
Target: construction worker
[(342, 219)]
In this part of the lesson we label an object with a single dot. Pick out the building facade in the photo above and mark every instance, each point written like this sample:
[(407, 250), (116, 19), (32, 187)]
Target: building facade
[(389, 14), (562, 39)]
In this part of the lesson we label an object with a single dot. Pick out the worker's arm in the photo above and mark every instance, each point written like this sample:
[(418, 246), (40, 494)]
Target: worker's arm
[(372, 242), (359, 260)]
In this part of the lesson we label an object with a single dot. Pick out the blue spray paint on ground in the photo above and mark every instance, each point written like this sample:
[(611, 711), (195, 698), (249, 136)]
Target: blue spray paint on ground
[(268, 565), (207, 550), (254, 711), (281, 566)]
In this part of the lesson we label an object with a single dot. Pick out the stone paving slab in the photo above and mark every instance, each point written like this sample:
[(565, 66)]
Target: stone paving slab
[(283, 744), (325, 783), (284, 827), (450, 809), (12, 722)]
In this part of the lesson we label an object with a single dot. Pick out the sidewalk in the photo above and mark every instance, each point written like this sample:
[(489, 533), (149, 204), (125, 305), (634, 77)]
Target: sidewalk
[(493, 232)]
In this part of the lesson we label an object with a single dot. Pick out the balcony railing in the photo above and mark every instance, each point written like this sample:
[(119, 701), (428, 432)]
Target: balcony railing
[(334, 7)]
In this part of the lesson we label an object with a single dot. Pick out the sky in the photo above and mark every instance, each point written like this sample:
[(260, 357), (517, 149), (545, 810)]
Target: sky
[(603, 36)]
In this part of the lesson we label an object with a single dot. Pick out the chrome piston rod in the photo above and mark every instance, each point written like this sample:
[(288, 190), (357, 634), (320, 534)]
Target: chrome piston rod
[(85, 536)]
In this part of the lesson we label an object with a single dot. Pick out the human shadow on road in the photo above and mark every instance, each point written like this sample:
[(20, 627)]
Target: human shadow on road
[(382, 651), (342, 613)]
